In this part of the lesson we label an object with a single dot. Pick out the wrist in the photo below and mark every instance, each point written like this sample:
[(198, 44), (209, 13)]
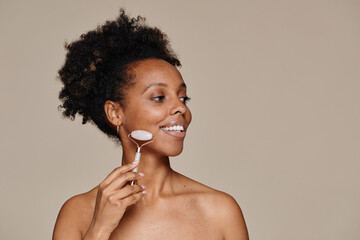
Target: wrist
[(95, 233)]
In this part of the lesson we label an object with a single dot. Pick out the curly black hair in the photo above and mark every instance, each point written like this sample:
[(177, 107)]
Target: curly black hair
[(98, 67)]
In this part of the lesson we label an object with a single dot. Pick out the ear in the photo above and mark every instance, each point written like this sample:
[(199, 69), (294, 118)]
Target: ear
[(113, 112)]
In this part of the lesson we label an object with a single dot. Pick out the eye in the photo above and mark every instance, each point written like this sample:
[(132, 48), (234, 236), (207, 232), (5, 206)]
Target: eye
[(158, 98), (185, 100)]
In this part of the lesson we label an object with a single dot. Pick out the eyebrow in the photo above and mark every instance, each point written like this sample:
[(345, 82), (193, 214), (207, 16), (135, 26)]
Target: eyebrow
[(182, 85)]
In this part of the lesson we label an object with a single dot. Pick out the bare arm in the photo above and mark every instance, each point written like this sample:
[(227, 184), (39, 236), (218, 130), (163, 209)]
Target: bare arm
[(67, 225)]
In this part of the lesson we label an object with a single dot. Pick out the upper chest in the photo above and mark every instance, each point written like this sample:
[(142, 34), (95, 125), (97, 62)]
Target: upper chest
[(174, 221)]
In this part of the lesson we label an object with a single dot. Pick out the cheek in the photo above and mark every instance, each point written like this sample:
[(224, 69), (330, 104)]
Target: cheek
[(145, 118), (153, 115)]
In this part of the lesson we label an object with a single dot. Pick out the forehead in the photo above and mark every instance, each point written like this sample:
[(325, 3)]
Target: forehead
[(152, 71)]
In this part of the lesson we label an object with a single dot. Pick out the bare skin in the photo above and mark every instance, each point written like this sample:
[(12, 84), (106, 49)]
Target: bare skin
[(163, 204)]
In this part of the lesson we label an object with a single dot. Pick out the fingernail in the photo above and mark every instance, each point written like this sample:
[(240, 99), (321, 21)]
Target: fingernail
[(144, 192), (135, 162), (143, 186), (141, 174)]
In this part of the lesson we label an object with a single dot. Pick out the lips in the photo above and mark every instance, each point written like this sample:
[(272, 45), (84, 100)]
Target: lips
[(175, 128)]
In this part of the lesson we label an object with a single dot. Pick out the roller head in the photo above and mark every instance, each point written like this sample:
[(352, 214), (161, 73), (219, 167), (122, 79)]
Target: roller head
[(141, 135)]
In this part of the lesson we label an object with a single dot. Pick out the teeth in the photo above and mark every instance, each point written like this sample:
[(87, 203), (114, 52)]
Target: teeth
[(174, 128)]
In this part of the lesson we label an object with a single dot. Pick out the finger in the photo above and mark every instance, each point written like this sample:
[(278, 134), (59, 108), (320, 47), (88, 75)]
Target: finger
[(128, 191), (132, 199), (118, 171), (120, 181)]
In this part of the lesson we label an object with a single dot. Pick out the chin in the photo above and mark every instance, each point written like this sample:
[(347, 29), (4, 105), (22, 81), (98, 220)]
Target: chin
[(171, 151), (174, 154), (164, 150), (167, 148)]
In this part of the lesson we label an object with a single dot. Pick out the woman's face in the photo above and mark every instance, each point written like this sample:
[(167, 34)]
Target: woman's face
[(157, 103)]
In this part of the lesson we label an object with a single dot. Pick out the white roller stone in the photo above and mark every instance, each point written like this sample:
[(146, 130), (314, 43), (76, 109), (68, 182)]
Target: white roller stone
[(141, 135)]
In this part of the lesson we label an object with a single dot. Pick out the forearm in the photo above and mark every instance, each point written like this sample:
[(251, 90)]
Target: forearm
[(96, 234)]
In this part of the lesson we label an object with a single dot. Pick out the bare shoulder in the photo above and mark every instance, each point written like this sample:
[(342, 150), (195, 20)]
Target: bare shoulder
[(221, 207), (75, 216), (227, 212)]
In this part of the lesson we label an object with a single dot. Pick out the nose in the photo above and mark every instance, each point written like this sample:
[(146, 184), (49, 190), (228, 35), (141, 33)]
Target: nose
[(178, 107)]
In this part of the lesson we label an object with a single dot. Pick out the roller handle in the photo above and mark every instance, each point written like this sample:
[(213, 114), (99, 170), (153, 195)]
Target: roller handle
[(137, 159)]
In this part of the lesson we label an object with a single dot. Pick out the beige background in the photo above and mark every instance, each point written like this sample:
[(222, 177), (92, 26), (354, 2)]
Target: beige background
[(275, 101)]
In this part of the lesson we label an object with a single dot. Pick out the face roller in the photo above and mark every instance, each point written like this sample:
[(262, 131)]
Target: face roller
[(142, 136)]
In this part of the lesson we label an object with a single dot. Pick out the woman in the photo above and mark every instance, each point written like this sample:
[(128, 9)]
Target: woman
[(123, 77)]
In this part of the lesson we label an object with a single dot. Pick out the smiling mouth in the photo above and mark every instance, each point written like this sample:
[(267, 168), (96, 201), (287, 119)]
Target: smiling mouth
[(177, 131), (175, 128)]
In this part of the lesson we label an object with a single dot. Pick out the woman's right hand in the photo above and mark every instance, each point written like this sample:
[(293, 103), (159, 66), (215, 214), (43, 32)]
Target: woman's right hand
[(113, 197)]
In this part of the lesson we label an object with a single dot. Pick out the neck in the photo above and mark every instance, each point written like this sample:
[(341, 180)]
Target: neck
[(158, 174)]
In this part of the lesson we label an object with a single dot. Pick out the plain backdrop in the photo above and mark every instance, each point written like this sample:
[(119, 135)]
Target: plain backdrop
[(275, 100)]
